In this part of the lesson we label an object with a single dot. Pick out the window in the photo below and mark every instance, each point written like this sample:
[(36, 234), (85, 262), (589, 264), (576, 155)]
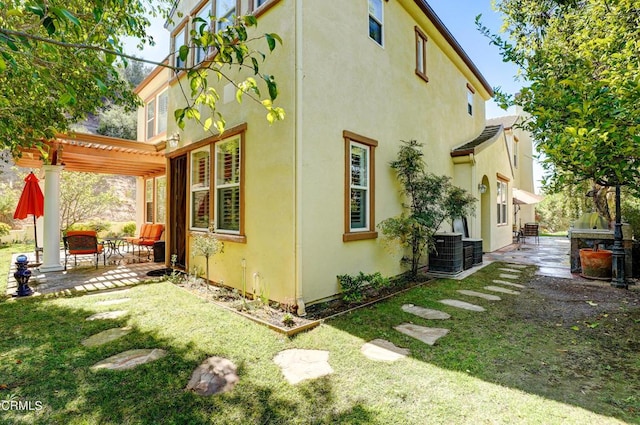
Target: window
[(204, 14), (200, 189), (258, 3), (157, 109), (501, 201), (421, 54), (225, 9), (148, 200), (179, 41), (227, 186), (470, 93), (161, 198), (375, 20), (515, 152), (359, 187)]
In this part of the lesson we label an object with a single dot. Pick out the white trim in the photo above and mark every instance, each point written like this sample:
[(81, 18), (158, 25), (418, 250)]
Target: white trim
[(217, 186), (366, 188)]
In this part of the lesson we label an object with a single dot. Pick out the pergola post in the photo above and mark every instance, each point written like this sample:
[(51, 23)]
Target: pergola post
[(51, 239)]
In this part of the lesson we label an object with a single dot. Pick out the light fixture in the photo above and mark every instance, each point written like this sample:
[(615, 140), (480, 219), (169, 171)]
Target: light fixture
[(482, 188), (174, 140)]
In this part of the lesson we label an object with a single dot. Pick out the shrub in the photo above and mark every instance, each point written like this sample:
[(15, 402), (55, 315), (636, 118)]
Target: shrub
[(353, 286), (4, 229), (129, 229)]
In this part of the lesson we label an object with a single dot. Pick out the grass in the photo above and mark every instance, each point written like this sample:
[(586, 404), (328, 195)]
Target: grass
[(493, 367)]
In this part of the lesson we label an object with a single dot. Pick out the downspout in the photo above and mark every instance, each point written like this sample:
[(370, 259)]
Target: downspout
[(298, 159)]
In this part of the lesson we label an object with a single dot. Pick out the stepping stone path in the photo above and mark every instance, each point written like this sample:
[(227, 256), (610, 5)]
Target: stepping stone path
[(214, 375), (383, 351), (106, 336), (425, 313), (517, 266), (509, 276), (113, 302), (130, 359), (502, 290), (479, 295), (298, 365), (463, 305), (107, 315), (424, 334), (510, 270), (504, 282)]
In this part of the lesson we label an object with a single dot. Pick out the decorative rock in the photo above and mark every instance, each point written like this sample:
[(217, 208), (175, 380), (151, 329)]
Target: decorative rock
[(107, 315), (214, 375), (424, 334), (510, 270), (479, 295), (298, 365), (130, 359), (517, 266), (425, 313), (504, 282), (502, 290), (113, 302), (462, 305), (106, 336), (509, 276), (383, 351)]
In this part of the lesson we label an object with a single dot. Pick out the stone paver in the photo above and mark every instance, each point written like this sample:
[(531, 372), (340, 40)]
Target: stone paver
[(116, 314), (425, 313), (113, 302), (463, 305), (422, 333), (510, 270), (509, 276), (518, 266), (214, 375), (504, 282), (479, 295), (383, 351), (298, 365), (106, 336), (130, 359), (502, 290)]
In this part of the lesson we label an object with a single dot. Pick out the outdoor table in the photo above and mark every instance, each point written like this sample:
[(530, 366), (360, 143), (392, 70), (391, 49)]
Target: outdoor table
[(113, 245)]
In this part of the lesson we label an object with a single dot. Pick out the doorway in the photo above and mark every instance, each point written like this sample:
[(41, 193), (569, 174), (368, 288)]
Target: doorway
[(178, 209)]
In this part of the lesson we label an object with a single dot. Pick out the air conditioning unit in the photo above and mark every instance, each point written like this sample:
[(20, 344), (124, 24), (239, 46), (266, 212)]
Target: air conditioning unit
[(477, 249), (448, 255)]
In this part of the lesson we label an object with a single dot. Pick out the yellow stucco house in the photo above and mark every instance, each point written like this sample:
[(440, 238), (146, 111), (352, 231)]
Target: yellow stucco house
[(297, 203)]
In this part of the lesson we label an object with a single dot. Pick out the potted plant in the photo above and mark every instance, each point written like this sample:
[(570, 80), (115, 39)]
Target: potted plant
[(596, 263)]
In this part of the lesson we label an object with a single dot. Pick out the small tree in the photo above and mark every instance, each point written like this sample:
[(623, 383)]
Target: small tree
[(431, 200), (207, 245)]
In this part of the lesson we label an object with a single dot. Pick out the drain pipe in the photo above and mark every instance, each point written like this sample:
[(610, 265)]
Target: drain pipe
[(298, 158)]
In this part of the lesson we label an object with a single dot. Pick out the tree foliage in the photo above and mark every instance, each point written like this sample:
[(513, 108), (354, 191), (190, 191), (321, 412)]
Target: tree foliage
[(579, 62), (83, 197), (431, 200)]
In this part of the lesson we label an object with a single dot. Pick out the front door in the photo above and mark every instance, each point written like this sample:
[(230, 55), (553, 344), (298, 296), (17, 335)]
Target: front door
[(178, 210)]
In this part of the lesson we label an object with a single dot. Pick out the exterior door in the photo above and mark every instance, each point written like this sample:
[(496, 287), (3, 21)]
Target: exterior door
[(178, 210)]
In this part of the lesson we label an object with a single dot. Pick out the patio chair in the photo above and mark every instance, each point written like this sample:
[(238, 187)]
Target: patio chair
[(152, 234), (82, 242), (531, 229)]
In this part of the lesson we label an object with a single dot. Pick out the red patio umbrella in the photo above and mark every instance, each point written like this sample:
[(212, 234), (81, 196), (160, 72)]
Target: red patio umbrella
[(31, 202)]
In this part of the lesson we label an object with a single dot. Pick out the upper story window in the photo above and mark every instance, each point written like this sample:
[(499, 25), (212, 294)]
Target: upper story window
[(204, 14), (225, 9), (375, 20), (258, 3), (421, 54), (179, 40), (515, 152), (470, 93), (157, 109)]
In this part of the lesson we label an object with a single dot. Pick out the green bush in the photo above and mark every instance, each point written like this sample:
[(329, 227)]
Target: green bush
[(4, 229), (353, 286), (129, 229)]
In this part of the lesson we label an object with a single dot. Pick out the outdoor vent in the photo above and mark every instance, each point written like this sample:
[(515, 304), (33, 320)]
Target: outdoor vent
[(448, 254), (477, 249)]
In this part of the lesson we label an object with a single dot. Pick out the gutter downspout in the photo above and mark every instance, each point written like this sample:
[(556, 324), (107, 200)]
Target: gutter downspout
[(298, 159)]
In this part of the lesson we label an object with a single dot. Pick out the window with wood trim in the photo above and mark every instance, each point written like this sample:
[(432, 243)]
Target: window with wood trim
[(161, 199), (199, 191), (225, 10), (501, 202), (359, 187), (421, 54), (179, 40), (470, 93), (228, 185), (148, 200), (376, 21), (205, 13), (157, 109), (151, 118)]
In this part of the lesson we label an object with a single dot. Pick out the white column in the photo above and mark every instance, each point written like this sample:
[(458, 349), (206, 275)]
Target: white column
[(51, 240)]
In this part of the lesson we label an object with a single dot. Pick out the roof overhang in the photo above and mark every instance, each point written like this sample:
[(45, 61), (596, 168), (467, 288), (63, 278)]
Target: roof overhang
[(522, 197), (99, 154)]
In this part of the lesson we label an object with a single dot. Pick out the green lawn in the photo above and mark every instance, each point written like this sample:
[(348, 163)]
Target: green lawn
[(484, 371)]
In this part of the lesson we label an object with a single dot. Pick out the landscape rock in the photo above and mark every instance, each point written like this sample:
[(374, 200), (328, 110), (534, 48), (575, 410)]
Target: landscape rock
[(463, 305), (479, 295), (106, 336), (130, 359), (422, 333), (383, 351), (425, 313), (298, 365), (116, 314), (214, 375)]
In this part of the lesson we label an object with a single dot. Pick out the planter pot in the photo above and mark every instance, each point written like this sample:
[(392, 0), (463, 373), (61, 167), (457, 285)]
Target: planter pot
[(595, 264)]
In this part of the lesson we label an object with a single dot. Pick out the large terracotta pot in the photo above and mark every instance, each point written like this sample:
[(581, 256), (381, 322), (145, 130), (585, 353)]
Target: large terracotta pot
[(596, 264)]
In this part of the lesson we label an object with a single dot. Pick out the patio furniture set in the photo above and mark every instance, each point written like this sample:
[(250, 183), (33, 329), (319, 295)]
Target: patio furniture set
[(529, 230), (85, 242)]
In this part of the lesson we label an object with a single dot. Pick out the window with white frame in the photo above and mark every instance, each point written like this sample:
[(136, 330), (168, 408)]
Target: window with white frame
[(157, 109), (470, 93), (501, 201), (225, 9), (227, 186), (258, 3), (161, 199), (179, 40), (421, 54), (375, 20), (359, 187), (200, 169), (204, 14), (148, 200), (359, 191), (151, 118)]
